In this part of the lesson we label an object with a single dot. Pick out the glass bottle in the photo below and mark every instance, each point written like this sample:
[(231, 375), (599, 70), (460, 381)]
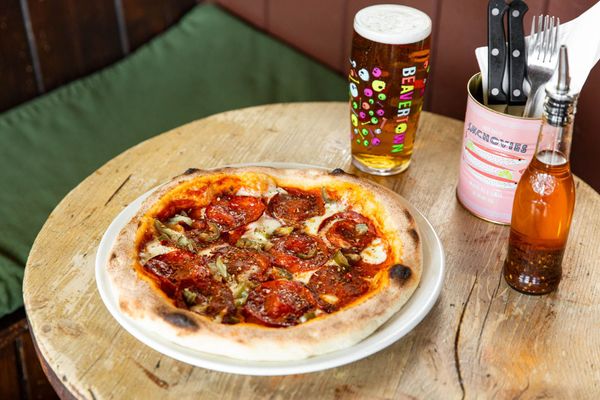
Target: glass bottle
[(545, 197)]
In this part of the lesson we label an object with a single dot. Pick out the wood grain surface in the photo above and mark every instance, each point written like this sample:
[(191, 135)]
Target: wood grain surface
[(481, 340)]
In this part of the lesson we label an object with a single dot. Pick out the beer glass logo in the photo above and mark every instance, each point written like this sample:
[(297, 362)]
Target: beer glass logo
[(367, 96), (371, 105)]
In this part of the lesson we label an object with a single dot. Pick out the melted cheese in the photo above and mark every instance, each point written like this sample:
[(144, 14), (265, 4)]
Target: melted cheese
[(271, 191), (311, 225), (303, 277), (260, 229), (210, 250), (243, 191), (154, 248), (375, 253), (330, 298)]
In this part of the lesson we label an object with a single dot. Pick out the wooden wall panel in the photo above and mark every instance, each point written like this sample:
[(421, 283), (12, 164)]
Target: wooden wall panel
[(17, 80), (74, 38), (567, 10), (9, 378), (254, 11), (314, 26), (144, 19), (586, 141), (461, 29), (21, 374), (34, 381)]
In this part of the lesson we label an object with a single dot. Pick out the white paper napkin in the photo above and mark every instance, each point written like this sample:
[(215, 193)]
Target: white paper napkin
[(582, 38)]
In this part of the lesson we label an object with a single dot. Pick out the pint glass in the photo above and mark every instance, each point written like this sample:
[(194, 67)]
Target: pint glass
[(389, 64)]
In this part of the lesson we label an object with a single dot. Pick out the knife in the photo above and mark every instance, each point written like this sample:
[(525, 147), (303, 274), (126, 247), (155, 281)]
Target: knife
[(496, 97), (516, 57)]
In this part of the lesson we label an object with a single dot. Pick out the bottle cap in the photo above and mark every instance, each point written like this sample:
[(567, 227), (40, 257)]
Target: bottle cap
[(560, 104)]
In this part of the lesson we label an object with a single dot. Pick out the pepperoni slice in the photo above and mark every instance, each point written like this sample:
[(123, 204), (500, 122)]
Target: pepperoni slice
[(245, 264), (174, 207), (233, 236), (207, 297), (368, 270), (299, 252), (231, 212), (171, 268), (204, 233), (278, 303), (296, 205), (349, 231), (334, 288), (187, 279)]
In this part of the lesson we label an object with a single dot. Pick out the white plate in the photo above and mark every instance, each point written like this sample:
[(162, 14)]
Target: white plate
[(396, 327)]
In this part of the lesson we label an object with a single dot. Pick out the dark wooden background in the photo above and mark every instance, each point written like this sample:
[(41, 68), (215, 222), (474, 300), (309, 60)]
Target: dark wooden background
[(47, 43), (323, 30)]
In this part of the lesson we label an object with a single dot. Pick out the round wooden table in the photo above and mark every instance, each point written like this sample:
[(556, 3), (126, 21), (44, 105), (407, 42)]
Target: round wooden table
[(482, 339)]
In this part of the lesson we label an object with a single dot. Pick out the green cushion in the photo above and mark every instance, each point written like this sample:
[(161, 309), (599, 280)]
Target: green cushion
[(208, 63)]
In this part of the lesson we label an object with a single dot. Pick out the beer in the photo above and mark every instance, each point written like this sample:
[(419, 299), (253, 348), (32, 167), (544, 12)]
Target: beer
[(389, 65)]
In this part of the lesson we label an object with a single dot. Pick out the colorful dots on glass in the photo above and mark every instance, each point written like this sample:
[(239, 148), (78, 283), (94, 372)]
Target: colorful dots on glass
[(363, 74), (378, 85), (368, 94), (353, 90)]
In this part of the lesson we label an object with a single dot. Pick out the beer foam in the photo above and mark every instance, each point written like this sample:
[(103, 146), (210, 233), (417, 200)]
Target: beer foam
[(392, 24)]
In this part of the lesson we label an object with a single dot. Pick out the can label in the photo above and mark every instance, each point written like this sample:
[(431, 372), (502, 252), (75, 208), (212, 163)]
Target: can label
[(497, 148)]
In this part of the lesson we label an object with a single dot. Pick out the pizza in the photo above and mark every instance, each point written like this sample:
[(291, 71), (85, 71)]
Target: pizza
[(261, 263)]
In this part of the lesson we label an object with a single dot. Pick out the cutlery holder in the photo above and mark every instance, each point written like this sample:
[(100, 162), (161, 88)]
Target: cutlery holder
[(496, 150)]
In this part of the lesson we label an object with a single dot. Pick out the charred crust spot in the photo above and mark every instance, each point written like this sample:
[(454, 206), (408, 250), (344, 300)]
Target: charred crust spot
[(190, 171), (413, 233), (409, 216), (337, 171), (113, 256), (124, 306), (179, 320), (400, 273)]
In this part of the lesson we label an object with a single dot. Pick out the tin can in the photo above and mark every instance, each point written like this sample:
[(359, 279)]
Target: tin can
[(496, 150)]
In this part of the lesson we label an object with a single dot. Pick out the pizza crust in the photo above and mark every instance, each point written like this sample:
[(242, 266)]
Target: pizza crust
[(140, 300)]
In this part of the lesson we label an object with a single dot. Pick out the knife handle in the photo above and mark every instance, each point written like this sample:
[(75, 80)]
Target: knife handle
[(496, 51), (516, 52)]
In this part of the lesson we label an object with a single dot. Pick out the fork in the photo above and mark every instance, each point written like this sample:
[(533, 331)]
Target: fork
[(542, 56)]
